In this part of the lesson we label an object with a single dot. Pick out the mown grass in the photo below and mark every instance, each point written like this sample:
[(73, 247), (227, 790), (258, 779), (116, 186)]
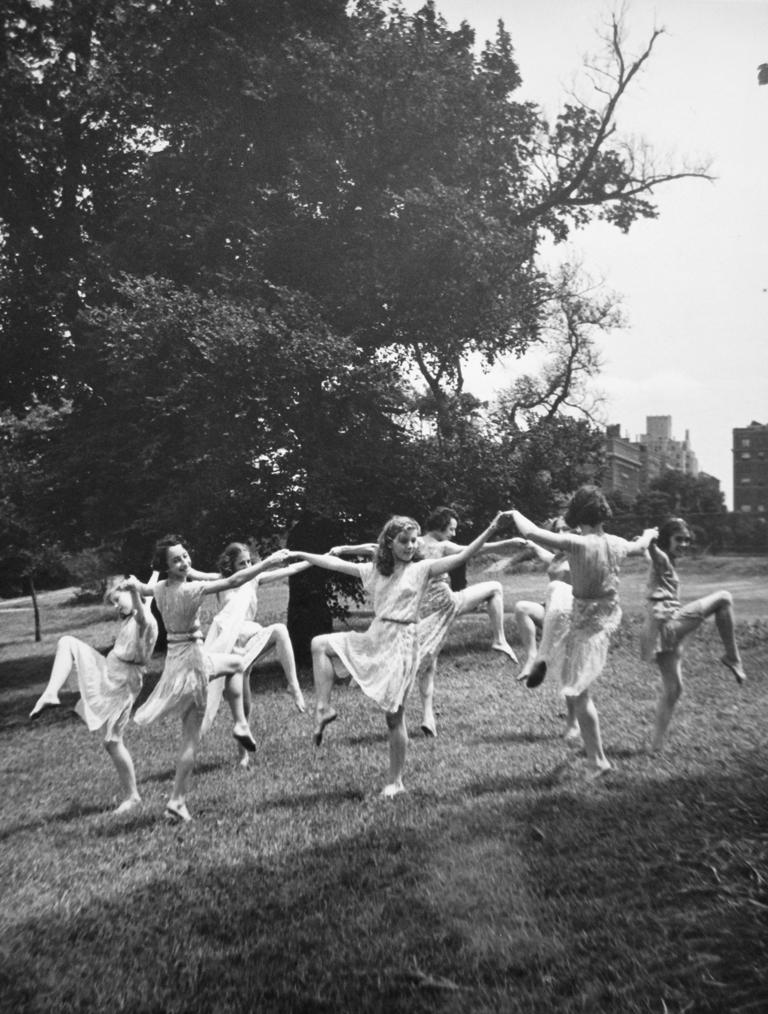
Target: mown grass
[(502, 880)]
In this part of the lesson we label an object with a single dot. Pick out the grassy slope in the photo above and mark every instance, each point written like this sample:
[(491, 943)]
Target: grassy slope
[(502, 881)]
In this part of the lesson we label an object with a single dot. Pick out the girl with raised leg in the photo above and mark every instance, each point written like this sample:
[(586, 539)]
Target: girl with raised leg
[(385, 658), (668, 623), (595, 559), (183, 685), (108, 686), (235, 628)]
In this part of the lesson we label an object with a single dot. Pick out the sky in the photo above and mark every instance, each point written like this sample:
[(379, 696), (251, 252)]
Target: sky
[(693, 283)]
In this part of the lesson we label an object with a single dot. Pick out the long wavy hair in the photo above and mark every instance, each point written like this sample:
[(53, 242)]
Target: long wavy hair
[(384, 559), (672, 526), (160, 554), (226, 562), (588, 506)]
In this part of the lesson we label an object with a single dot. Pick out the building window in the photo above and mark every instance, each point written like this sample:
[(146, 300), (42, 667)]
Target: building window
[(745, 455), (761, 508), (745, 480), (745, 442), (745, 508)]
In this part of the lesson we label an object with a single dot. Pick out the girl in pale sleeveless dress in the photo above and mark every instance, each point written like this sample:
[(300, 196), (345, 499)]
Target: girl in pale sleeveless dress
[(235, 628), (595, 559), (441, 605), (183, 685), (668, 623), (385, 658), (108, 686)]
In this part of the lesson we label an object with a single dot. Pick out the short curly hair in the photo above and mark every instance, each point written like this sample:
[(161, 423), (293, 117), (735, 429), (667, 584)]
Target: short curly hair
[(440, 518), (384, 559), (226, 562), (588, 506), (160, 554)]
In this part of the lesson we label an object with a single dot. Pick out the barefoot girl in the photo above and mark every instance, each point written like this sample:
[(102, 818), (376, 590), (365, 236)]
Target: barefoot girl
[(108, 686), (594, 558), (385, 658), (183, 686), (668, 623), (234, 628)]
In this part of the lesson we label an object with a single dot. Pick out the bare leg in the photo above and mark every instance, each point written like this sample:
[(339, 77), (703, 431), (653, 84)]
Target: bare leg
[(398, 747), (725, 627), (63, 661), (589, 723), (284, 651), (185, 762), (427, 691), (322, 674), (669, 663), (572, 731), (125, 772), (527, 615), (492, 593), (231, 668)]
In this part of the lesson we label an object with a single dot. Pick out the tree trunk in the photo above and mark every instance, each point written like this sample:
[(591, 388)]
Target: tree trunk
[(308, 612), (35, 607)]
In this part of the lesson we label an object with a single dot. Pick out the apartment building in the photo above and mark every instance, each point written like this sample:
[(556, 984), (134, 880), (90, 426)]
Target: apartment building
[(750, 469)]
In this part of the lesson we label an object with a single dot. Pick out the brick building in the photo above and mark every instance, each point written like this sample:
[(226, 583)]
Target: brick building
[(750, 469), (632, 465)]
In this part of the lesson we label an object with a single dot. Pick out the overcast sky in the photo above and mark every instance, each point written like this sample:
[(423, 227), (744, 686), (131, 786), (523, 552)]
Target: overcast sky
[(694, 282)]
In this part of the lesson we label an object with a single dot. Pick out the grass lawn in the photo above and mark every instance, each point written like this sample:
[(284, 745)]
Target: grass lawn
[(502, 881)]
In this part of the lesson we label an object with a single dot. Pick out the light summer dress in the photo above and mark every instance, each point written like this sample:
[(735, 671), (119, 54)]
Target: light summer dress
[(109, 686), (666, 621), (440, 604), (234, 629), (594, 561), (384, 659), (188, 667)]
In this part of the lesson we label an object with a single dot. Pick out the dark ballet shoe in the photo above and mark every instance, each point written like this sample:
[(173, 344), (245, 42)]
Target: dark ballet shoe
[(537, 674), (429, 730), (317, 735), (246, 740), (45, 706)]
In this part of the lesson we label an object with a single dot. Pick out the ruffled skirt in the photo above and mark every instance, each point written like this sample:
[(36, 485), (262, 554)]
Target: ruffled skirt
[(593, 621), (107, 687)]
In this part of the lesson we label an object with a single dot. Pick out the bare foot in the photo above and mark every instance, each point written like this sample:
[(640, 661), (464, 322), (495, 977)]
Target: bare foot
[(177, 813), (298, 700), (245, 758), (505, 649), (393, 789), (523, 675), (43, 704), (128, 805), (322, 718), (734, 664), (572, 734)]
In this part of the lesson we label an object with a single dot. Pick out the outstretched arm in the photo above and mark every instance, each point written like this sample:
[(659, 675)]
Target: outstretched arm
[(328, 562), (202, 575), (638, 546), (542, 537), (283, 572), (132, 584), (501, 546), (454, 560), (241, 577), (363, 549)]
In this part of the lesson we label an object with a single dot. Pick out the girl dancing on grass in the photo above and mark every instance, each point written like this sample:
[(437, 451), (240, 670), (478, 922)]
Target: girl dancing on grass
[(235, 628), (595, 559), (108, 686), (385, 658), (668, 623), (183, 685), (437, 543)]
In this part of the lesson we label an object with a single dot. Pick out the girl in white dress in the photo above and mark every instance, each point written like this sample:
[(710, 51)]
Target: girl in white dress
[(385, 658), (668, 623), (595, 559), (183, 685), (108, 686), (235, 628), (436, 543)]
